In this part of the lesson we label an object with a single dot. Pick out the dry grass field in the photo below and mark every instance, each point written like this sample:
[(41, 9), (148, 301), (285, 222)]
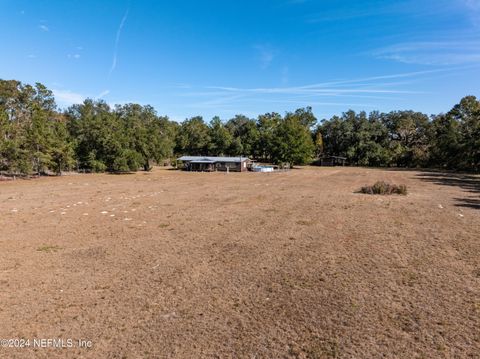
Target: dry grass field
[(170, 264)]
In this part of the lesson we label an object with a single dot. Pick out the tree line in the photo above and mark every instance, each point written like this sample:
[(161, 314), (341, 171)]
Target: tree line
[(406, 138), (37, 137)]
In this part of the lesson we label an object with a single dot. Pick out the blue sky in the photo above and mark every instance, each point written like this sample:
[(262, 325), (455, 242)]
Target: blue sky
[(222, 58)]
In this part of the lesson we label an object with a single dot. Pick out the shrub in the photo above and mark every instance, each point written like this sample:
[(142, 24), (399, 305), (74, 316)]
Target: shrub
[(127, 160), (97, 166), (384, 188)]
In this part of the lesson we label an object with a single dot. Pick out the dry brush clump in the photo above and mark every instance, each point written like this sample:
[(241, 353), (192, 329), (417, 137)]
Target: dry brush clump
[(384, 188)]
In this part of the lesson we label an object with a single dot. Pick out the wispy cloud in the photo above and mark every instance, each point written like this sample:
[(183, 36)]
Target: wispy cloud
[(234, 102), (343, 15), (44, 28), (473, 7), (217, 101), (313, 90), (117, 41), (182, 85), (452, 52), (67, 98), (355, 92), (375, 79), (472, 4), (103, 94), (342, 11), (338, 11), (75, 54), (349, 87), (266, 54)]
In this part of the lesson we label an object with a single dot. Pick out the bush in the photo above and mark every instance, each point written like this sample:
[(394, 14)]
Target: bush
[(384, 188), (97, 166), (127, 160)]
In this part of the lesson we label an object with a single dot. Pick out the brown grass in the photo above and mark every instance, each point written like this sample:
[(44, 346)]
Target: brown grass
[(242, 265)]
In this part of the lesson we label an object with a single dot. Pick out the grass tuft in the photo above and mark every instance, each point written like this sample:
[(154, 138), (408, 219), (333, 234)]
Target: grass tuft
[(48, 249), (384, 188)]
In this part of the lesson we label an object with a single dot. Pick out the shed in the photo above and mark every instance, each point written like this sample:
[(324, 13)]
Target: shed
[(332, 161)]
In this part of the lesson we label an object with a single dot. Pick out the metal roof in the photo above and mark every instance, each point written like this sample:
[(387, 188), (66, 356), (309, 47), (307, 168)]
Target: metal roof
[(212, 159)]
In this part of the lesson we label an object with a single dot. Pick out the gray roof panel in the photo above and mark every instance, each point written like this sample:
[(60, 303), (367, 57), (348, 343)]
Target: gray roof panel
[(213, 159)]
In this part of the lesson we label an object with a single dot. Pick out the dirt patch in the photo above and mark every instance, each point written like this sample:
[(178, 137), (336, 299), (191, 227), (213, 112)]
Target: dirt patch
[(242, 265)]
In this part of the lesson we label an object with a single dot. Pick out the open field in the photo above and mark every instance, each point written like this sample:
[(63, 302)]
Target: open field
[(242, 265)]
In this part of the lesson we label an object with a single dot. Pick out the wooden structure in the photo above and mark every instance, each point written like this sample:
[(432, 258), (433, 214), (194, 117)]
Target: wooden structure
[(212, 164)]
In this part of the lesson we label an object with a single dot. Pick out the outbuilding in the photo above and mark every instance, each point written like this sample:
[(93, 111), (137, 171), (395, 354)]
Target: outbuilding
[(332, 161), (212, 163)]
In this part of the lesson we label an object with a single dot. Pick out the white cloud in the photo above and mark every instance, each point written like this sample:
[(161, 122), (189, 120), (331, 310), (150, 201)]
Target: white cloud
[(182, 85), (341, 92), (117, 41), (473, 7), (364, 9), (103, 94), (266, 54), (432, 52), (67, 98), (217, 101), (313, 90), (472, 4), (44, 28)]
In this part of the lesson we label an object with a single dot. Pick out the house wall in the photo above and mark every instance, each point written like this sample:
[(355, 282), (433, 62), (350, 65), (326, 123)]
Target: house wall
[(232, 166), (202, 167), (245, 166)]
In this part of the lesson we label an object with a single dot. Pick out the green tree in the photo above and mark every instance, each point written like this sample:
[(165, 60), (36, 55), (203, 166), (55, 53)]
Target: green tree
[(292, 140), (193, 137), (363, 140), (62, 152), (147, 137), (267, 126), (408, 131), (220, 138), (337, 135), (245, 136), (99, 135), (29, 123), (445, 142), (467, 114)]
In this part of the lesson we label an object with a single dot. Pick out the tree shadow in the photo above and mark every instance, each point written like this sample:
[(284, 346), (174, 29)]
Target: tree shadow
[(467, 182), (468, 202)]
